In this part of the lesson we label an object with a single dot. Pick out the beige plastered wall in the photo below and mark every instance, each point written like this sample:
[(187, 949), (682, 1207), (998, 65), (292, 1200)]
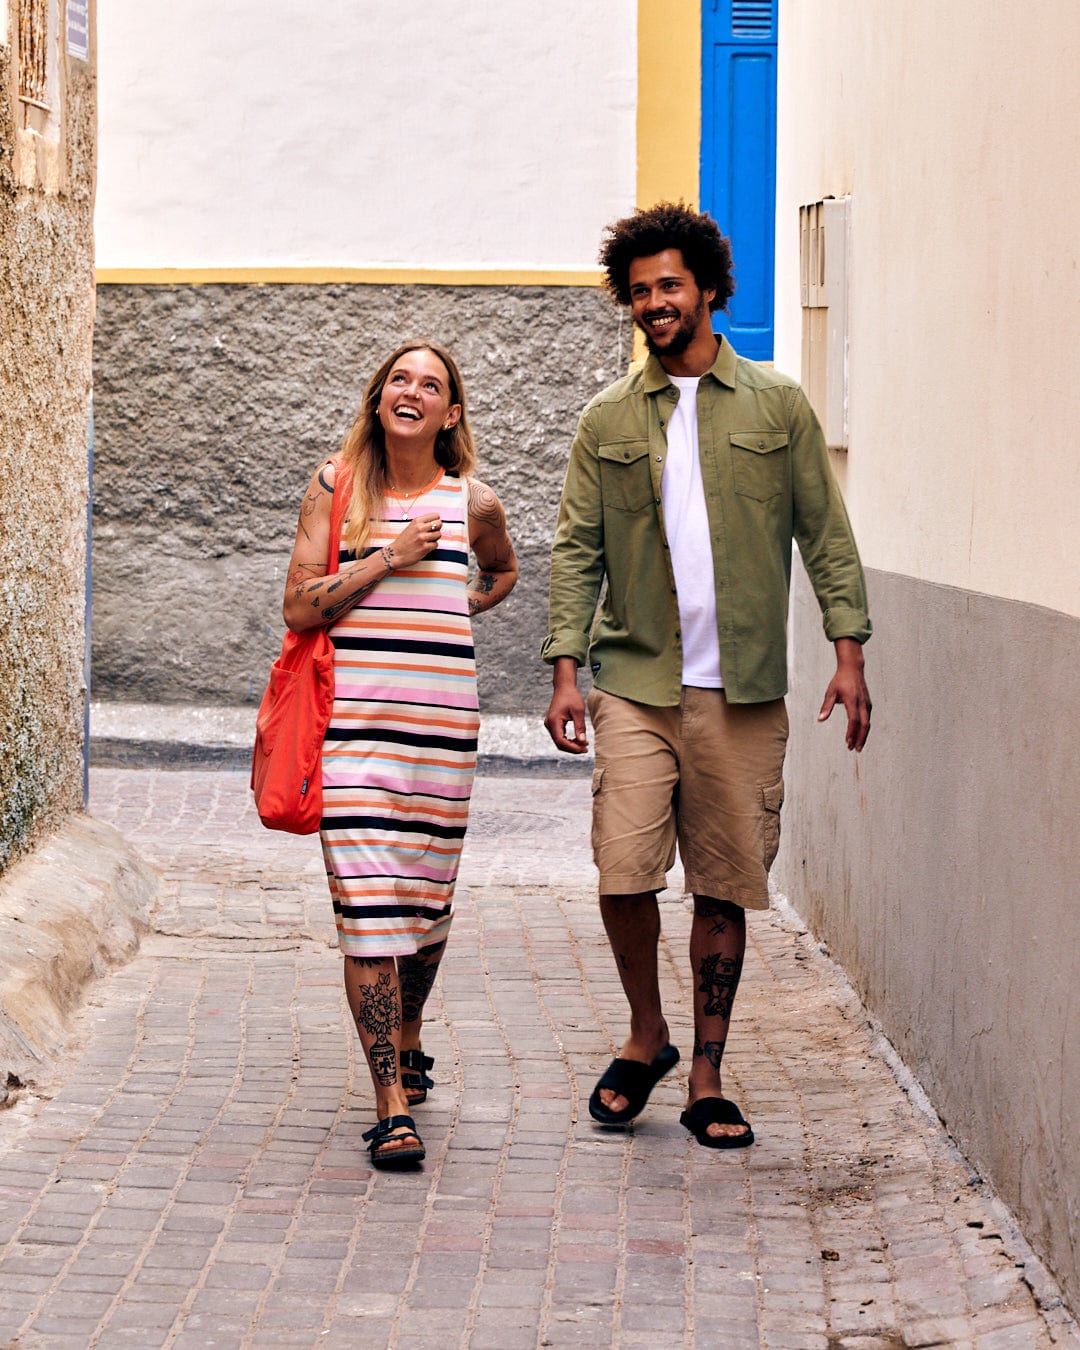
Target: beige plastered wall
[(956, 130), (46, 326), (941, 866)]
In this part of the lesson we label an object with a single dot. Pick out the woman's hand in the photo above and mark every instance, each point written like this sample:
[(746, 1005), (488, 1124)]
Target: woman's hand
[(419, 538)]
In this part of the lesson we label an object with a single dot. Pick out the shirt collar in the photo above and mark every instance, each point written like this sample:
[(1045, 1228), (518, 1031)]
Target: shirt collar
[(722, 369)]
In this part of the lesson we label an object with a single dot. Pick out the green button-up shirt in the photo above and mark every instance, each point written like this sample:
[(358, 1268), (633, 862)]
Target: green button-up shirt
[(767, 480)]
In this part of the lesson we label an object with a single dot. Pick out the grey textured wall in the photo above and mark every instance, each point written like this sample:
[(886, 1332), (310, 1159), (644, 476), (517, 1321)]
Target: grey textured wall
[(213, 405), (941, 868), (46, 318)]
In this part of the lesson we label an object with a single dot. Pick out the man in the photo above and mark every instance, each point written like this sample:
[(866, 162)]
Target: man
[(688, 480)]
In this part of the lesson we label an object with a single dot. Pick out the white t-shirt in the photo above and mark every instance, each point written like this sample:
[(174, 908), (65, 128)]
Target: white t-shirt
[(688, 538)]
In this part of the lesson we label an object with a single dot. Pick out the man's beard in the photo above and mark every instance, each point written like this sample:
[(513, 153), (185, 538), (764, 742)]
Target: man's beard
[(684, 334)]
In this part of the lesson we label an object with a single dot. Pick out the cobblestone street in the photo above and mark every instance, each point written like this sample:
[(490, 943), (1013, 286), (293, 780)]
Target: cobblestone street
[(192, 1175)]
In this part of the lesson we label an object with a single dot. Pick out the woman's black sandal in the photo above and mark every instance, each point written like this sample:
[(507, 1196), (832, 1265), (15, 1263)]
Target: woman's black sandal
[(402, 1155), (417, 1082)]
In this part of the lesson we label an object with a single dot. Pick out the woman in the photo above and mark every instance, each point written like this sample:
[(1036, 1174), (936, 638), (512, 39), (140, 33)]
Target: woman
[(400, 752)]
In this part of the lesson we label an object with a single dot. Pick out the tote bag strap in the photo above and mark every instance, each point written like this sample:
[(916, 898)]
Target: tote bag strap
[(342, 486)]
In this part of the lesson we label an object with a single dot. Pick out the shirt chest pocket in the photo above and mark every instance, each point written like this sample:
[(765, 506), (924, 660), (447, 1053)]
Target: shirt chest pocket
[(625, 481), (760, 464)]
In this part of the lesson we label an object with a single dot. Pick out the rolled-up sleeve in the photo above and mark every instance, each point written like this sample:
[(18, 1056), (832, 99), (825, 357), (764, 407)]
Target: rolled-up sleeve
[(823, 531), (577, 554)]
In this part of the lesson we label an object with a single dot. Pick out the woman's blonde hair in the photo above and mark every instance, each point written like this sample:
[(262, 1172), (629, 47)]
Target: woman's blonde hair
[(364, 447)]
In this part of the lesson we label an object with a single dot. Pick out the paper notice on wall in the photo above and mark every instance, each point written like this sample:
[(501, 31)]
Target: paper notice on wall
[(78, 29)]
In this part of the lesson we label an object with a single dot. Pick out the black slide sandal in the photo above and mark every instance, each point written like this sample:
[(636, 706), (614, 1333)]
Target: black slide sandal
[(633, 1080), (708, 1111)]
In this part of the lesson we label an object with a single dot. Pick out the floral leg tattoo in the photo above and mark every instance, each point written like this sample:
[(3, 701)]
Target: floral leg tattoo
[(379, 1014)]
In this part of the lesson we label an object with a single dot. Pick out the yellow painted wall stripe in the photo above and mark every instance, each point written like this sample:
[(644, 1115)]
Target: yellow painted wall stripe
[(669, 101), (349, 276)]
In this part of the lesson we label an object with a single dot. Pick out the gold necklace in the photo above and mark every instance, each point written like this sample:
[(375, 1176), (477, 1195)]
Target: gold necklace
[(413, 493)]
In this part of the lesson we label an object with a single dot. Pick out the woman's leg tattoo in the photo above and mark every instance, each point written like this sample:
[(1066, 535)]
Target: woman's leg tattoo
[(379, 1014), (417, 975), (371, 986)]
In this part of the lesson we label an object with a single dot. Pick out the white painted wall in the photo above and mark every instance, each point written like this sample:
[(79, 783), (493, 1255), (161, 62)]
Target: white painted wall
[(357, 133), (956, 128)]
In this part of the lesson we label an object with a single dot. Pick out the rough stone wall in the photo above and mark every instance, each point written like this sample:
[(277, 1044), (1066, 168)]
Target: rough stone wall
[(214, 404), (46, 326)]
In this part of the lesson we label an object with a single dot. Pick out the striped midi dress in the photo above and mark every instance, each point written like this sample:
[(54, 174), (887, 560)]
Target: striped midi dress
[(400, 752)]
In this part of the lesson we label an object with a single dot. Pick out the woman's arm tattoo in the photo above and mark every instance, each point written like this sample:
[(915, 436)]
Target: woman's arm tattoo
[(485, 506)]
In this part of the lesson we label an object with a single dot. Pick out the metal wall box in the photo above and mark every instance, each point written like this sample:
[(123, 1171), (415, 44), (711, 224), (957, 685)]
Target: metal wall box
[(824, 229)]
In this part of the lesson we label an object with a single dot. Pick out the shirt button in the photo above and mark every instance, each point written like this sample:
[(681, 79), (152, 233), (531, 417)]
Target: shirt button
[(656, 500), (662, 422), (761, 445), (659, 458), (673, 591)]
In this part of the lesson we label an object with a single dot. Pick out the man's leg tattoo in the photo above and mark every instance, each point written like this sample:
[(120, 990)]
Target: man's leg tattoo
[(720, 910), (717, 942), (713, 1051), (719, 977)]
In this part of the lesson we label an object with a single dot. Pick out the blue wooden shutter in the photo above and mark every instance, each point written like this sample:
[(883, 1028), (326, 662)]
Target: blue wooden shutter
[(738, 157)]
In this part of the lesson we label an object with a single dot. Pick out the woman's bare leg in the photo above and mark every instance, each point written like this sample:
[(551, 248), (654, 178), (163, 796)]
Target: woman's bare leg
[(374, 997)]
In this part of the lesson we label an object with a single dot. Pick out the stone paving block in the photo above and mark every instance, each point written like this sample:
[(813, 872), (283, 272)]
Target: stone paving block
[(218, 1331), (503, 1338), (359, 1335), (61, 1327)]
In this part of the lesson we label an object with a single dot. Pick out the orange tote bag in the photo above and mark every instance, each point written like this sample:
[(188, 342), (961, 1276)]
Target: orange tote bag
[(286, 768)]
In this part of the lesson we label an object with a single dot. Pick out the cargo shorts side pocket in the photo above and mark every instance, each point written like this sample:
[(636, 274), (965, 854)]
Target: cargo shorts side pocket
[(597, 803), (772, 799)]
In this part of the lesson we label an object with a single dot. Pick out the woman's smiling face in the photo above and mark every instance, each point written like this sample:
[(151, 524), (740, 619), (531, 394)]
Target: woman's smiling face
[(415, 400)]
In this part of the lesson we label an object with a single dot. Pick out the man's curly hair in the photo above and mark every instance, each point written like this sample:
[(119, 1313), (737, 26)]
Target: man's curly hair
[(696, 235)]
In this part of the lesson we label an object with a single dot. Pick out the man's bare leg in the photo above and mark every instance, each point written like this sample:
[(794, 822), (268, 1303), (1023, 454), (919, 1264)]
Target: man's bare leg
[(717, 945), (633, 928)]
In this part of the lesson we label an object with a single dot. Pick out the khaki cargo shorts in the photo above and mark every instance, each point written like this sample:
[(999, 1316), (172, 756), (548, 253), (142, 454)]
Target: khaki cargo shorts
[(705, 774)]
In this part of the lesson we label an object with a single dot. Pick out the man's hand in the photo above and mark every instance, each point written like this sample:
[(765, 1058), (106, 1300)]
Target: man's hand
[(849, 688), (567, 706)]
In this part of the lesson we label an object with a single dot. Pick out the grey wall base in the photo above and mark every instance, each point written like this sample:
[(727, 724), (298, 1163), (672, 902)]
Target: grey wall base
[(213, 406), (941, 868)]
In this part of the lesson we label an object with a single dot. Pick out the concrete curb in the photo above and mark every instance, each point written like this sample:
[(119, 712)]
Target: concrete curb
[(74, 907), (155, 735)]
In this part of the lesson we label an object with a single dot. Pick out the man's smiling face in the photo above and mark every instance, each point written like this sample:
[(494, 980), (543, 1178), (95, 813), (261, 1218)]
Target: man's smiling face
[(666, 302)]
